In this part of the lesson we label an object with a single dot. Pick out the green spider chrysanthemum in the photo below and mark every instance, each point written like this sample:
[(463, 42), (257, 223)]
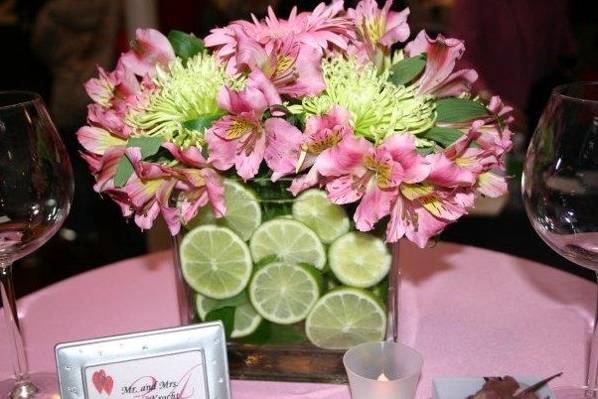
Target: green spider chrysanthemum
[(378, 107), (183, 93)]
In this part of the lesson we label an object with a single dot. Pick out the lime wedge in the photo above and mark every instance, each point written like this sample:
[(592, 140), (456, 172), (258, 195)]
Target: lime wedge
[(246, 318), (359, 259), (243, 213), (328, 220), (290, 241), (345, 317), (284, 293), (215, 261)]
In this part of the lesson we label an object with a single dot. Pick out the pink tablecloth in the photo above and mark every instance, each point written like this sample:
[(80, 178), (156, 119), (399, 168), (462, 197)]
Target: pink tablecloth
[(471, 312)]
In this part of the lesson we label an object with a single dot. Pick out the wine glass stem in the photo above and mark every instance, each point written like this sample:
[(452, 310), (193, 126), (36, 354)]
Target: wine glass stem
[(19, 360), (592, 375)]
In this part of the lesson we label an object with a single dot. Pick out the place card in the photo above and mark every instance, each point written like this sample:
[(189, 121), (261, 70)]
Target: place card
[(178, 363)]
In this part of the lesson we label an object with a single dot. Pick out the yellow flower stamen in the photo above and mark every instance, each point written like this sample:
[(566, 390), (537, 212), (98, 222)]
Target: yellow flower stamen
[(239, 128), (380, 169)]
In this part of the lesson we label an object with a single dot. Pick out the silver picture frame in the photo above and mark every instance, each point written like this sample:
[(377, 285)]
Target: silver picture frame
[(207, 339)]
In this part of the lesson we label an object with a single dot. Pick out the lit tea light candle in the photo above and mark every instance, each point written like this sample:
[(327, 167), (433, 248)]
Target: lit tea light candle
[(382, 377)]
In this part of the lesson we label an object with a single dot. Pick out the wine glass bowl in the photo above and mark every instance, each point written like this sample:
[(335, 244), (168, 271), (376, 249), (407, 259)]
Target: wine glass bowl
[(36, 188), (560, 187), (33, 162)]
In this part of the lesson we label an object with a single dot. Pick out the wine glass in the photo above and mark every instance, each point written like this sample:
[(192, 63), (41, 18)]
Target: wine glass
[(560, 189), (36, 186)]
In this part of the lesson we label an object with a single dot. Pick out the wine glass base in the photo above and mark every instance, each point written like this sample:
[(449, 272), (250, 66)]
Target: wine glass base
[(575, 393), (46, 384)]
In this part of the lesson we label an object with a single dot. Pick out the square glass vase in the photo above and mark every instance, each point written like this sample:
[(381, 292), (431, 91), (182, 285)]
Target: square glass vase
[(292, 279)]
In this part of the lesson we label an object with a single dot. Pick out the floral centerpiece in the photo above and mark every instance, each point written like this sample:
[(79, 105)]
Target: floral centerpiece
[(289, 154)]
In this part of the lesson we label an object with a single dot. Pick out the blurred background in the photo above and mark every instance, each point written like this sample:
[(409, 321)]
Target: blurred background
[(521, 49)]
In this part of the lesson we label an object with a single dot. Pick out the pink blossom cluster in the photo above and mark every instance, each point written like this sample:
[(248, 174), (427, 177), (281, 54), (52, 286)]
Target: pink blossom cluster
[(281, 59)]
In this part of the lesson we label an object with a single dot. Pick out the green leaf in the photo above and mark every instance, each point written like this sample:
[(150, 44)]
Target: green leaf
[(148, 146), (226, 315), (202, 122), (459, 110), (444, 136), (407, 69), (424, 150), (275, 334), (185, 45), (124, 170), (233, 302)]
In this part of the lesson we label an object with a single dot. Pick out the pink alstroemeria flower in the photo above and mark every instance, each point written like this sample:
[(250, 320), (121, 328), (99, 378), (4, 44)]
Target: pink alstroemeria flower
[(320, 29), (377, 29), (422, 211), (459, 164), (438, 78), (153, 187), (294, 69), (360, 171), (496, 137), (240, 139), (283, 147), (321, 133), (149, 49), (109, 119), (117, 89)]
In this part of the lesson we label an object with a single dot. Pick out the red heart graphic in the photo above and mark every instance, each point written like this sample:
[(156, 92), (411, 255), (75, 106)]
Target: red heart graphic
[(98, 380), (108, 384)]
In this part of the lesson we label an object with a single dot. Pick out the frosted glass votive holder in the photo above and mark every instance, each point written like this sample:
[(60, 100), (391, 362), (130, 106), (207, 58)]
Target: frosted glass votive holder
[(383, 370)]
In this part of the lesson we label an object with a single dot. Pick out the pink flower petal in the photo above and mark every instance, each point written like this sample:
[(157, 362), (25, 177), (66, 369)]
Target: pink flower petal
[(442, 54), (401, 147), (397, 28), (399, 220), (151, 48), (457, 83), (374, 205), (170, 214), (492, 185), (427, 227), (101, 89), (222, 152), (305, 181), (215, 190), (307, 75), (190, 156), (146, 217), (283, 147), (247, 164), (341, 159), (257, 80), (108, 119), (97, 140), (342, 190), (447, 173)]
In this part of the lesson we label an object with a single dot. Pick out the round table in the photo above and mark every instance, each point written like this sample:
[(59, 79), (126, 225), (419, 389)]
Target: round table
[(470, 311)]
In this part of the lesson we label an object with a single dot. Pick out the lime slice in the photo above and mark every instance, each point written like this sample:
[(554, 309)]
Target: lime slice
[(284, 293), (359, 259), (290, 241), (246, 318), (243, 213), (328, 220), (215, 261), (344, 318)]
